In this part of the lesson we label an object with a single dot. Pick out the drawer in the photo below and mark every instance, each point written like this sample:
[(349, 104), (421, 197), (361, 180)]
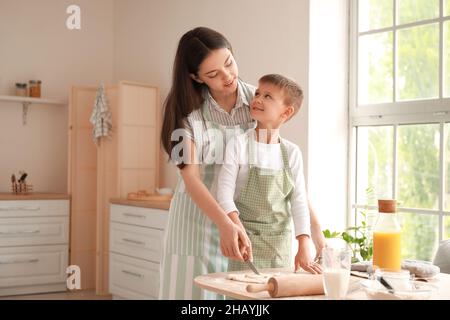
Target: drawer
[(133, 278), (145, 217), (33, 231), (22, 266), (139, 242), (33, 208)]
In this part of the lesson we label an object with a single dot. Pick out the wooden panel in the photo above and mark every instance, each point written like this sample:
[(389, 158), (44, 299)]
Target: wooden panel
[(82, 183), (146, 157), (95, 172), (149, 107), (86, 260), (129, 152), (138, 138), (106, 189)]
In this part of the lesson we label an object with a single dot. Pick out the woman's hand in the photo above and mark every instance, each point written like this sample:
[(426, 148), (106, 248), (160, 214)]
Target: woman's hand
[(246, 251), (303, 256), (232, 240)]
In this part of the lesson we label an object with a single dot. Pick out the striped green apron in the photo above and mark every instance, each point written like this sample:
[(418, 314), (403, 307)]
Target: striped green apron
[(191, 242), (264, 209)]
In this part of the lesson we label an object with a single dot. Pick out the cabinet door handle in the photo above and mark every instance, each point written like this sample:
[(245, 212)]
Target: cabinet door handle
[(134, 241), (134, 274), (21, 232), (35, 208), (134, 215), (20, 261)]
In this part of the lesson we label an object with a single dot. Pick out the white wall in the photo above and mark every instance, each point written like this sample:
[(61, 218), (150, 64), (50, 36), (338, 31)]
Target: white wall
[(35, 44), (328, 111), (267, 37), (136, 40)]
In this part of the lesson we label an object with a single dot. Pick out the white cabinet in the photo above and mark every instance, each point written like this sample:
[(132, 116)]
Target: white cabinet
[(33, 246), (135, 243)]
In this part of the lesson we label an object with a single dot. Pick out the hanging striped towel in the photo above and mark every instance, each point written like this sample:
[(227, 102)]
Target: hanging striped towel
[(101, 118)]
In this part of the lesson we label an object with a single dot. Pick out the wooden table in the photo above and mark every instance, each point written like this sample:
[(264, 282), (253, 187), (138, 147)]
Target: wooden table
[(218, 282)]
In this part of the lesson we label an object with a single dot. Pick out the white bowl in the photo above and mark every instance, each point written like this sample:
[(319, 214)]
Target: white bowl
[(418, 291)]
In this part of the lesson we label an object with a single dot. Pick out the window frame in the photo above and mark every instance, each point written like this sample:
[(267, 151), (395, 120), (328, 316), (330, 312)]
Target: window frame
[(395, 113)]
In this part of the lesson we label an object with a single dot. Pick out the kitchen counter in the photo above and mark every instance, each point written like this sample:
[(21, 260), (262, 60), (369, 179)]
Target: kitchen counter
[(218, 282), (155, 204), (34, 196)]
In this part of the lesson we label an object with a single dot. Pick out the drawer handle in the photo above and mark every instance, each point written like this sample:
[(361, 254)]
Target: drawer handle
[(35, 208), (134, 274), (134, 215), (21, 232), (133, 241), (20, 261)]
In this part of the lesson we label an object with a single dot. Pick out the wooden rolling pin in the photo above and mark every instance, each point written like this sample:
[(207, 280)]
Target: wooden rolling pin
[(290, 285)]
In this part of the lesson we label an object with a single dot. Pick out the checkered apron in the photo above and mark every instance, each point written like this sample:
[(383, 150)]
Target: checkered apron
[(264, 209), (191, 241)]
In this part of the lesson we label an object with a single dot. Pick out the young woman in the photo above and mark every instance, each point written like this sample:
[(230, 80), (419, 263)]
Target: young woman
[(207, 103)]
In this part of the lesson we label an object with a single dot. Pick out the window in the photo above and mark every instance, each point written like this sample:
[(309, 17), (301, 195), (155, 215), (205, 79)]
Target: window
[(400, 115)]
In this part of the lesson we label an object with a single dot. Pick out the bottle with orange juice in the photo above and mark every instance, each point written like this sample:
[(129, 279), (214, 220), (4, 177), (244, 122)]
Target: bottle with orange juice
[(387, 237)]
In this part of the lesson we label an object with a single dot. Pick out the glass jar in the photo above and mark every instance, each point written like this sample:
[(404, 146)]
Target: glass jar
[(387, 237), (21, 89), (398, 279), (35, 88)]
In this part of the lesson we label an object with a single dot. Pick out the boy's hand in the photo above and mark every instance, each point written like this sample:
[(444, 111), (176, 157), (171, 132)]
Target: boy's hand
[(318, 239), (303, 256)]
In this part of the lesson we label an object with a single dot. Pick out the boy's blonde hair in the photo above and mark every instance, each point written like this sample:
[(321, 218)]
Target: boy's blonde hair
[(293, 93)]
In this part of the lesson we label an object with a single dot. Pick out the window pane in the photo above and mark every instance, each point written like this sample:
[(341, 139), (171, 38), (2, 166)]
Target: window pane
[(447, 58), (416, 10), (375, 14), (418, 166), (447, 8), (418, 63), (419, 235), (447, 167), (374, 164), (375, 68), (446, 228)]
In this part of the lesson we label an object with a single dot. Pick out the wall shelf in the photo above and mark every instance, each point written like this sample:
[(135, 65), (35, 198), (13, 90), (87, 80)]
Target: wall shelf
[(26, 101)]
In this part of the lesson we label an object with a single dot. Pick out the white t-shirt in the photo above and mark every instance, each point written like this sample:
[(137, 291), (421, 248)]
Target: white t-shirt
[(234, 174)]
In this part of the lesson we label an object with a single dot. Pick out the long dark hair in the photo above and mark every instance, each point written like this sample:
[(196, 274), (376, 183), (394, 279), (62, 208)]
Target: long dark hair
[(185, 94)]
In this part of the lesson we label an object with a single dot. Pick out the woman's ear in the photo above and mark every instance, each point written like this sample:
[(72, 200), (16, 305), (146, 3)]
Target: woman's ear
[(287, 114), (195, 78)]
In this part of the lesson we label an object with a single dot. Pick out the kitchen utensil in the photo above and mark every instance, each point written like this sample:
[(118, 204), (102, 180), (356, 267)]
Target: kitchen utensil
[(23, 177), (417, 291), (252, 266), (290, 285), (386, 285)]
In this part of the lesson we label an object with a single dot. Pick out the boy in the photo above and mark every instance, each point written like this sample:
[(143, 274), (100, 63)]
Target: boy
[(261, 183)]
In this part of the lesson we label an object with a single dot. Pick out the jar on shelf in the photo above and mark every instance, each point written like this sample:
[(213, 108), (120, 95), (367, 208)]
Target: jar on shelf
[(35, 88), (21, 89)]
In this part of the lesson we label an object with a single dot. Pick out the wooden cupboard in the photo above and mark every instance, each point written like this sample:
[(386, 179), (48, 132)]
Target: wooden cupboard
[(125, 163)]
